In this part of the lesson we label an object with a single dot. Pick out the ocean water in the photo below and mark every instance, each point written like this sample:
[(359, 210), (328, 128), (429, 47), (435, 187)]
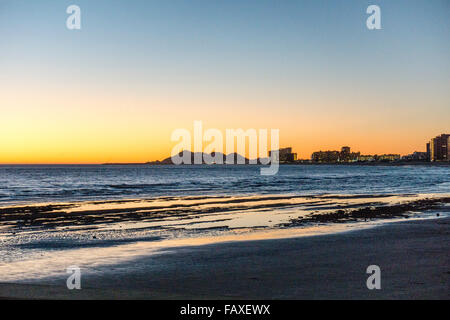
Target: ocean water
[(66, 183)]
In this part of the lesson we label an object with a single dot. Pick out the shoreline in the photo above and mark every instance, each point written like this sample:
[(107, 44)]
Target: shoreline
[(357, 163), (299, 162), (413, 257)]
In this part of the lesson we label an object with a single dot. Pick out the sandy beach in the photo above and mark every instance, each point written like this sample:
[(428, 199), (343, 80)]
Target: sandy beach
[(413, 257)]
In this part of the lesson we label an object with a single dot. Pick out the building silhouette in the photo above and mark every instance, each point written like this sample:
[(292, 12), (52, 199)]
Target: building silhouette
[(440, 148), (345, 155), (417, 156), (285, 155)]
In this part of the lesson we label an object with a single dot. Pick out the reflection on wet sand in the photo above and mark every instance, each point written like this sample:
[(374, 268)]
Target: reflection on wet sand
[(39, 238), (177, 208)]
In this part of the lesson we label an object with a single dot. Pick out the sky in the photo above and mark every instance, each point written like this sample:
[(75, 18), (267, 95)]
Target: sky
[(115, 90)]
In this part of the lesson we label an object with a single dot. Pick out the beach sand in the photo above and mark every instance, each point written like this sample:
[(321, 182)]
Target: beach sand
[(413, 257)]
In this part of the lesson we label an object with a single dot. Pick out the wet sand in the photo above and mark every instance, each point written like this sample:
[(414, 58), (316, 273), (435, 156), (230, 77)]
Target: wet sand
[(314, 208), (413, 257)]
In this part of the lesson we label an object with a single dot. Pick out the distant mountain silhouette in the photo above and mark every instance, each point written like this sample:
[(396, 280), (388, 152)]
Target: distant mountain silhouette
[(232, 158)]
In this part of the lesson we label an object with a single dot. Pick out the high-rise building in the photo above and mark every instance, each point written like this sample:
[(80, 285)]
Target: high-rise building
[(347, 156), (440, 148), (285, 155), (345, 150), (325, 156), (335, 156)]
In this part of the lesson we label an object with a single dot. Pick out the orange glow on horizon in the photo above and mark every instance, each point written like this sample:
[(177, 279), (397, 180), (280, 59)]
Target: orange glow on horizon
[(44, 127)]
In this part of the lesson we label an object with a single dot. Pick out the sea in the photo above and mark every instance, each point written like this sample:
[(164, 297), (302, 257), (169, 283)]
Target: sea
[(67, 183)]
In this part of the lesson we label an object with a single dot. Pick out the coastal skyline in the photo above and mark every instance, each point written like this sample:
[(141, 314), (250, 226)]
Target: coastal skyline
[(247, 157), (115, 90)]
